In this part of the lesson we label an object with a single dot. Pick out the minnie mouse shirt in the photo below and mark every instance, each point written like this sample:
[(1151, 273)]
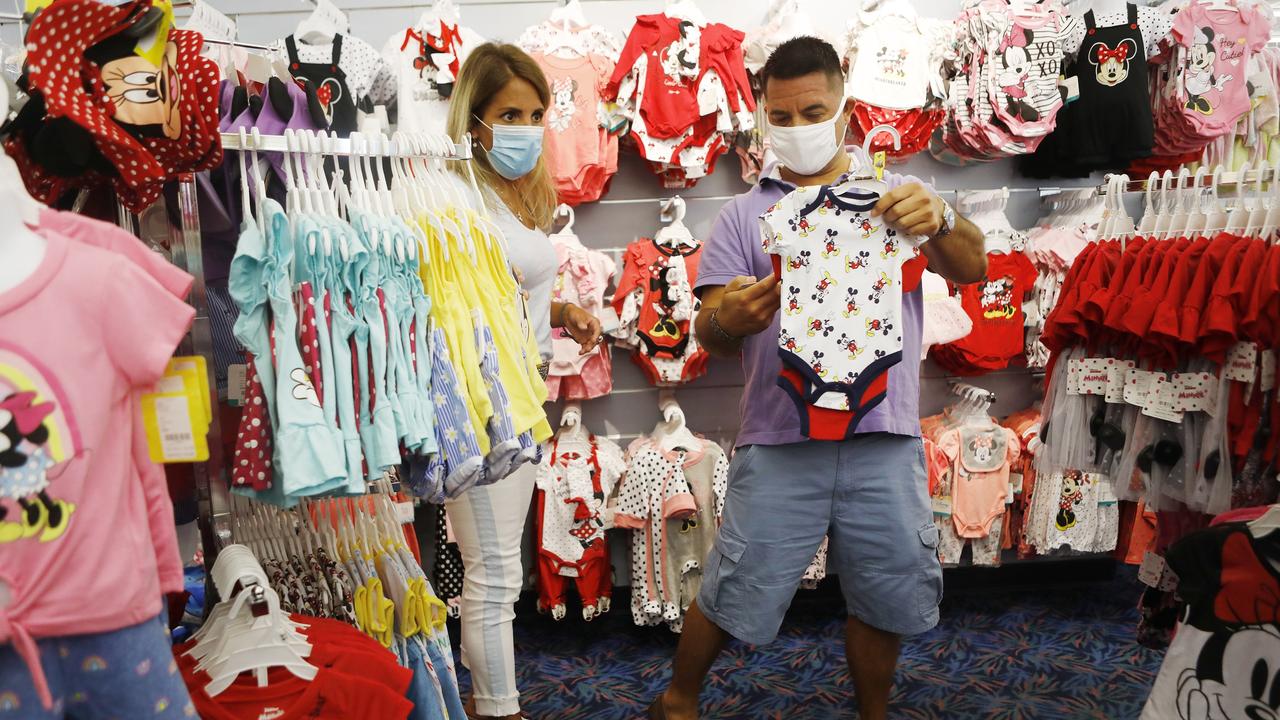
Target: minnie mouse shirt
[(78, 339), (1220, 43)]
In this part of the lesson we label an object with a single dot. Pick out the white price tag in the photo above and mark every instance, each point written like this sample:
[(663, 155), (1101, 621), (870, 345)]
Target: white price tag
[(1151, 569), (404, 512), (1242, 362), (941, 505), (1074, 371), (177, 437), (1137, 384), (1117, 371), (1162, 400), (237, 380), (1015, 482)]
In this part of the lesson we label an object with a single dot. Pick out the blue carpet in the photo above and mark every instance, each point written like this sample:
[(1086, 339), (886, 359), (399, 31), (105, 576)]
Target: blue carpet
[(1046, 653)]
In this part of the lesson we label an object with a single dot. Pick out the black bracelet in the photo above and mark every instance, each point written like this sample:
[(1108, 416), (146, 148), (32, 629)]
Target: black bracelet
[(719, 330)]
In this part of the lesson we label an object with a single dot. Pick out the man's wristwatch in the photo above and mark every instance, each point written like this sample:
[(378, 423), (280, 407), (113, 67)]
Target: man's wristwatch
[(948, 220)]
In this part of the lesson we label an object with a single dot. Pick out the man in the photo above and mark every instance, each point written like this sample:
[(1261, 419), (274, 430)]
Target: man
[(868, 494)]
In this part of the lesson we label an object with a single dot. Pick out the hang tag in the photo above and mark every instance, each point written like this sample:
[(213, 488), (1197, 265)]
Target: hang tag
[(1137, 385), (1162, 400), (1074, 371), (1009, 493), (194, 372), (237, 382), (1152, 569), (1117, 371), (171, 421), (1242, 362), (609, 321), (1093, 376), (1195, 392), (1015, 482), (941, 505), (1070, 89), (1268, 370), (404, 512), (877, 163)]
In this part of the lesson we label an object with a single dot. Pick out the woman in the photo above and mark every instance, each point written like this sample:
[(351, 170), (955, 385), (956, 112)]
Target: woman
[(500, 98)]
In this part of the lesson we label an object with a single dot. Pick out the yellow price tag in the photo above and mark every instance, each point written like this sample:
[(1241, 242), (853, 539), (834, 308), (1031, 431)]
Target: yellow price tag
[(877, 162)]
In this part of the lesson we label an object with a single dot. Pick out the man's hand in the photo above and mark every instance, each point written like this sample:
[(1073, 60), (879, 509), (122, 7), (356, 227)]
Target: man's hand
[(748, 306), (911, 210)]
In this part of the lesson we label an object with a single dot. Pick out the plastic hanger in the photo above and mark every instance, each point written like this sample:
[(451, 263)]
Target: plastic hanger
[(1254, 204), (324, 23), (675, 233), (571, 422), (1197, 218), (1238, 217), (685, 10), (673, 432), (1266, 524), (1272, 203)]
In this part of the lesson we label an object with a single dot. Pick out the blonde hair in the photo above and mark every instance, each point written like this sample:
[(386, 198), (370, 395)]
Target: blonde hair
[(487, 70)]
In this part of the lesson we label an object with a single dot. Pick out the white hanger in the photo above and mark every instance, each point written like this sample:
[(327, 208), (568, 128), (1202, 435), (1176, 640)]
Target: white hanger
[(1265, 524), (1272, 204), (1147, 225), (685, 10), (571, 422), (323, 24), (1197, 218), (208, 21), (1238, 217), (675, 233), (673, 432), (569, 12), (1254, 203), (1181, 211), (1165, 215)]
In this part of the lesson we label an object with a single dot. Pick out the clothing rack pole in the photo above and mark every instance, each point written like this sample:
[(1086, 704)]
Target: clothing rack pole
[(341, 147), (1189, 182), (237, 43), (213, 503)]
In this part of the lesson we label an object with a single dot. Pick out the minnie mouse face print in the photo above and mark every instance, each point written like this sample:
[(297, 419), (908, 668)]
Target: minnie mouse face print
[(1200, 81), (563, 104), (1111, 64), (145, 96)]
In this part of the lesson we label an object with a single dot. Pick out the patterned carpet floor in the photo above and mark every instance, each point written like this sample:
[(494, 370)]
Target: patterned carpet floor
[(1045, 653)]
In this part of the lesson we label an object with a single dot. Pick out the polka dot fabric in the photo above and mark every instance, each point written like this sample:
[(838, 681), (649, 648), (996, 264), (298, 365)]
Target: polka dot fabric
[(252, 463), (72, 87)]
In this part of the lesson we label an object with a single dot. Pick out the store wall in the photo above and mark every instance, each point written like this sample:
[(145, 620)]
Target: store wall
[(711, 402)]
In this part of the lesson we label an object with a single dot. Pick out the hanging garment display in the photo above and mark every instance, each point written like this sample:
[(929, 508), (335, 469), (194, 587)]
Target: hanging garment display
[(581, 145), (682, 84), (581, 280), (135, 134), (1003, 98), (843, 274), (424, 61), (895, 62), (1110, 124), (579, 475), (656, 306), (344, 312), (672, 499)]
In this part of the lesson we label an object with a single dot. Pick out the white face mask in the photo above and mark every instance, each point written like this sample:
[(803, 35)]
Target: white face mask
[(806, 149)]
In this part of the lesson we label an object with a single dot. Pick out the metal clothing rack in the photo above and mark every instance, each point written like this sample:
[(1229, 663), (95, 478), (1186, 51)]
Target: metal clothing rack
[(1206, 180), (343, 147)]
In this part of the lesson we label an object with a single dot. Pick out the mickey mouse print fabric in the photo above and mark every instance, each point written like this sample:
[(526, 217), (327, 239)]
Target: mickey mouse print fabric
[(843, 274)]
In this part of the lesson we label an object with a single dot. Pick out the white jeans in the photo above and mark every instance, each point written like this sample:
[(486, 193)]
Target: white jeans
[(488, 523)]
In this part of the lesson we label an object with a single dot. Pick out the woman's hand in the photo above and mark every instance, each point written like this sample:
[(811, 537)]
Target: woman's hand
[(582, 326)]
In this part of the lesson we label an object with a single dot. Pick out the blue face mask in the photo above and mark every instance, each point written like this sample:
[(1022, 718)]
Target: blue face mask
[(516, 149)]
